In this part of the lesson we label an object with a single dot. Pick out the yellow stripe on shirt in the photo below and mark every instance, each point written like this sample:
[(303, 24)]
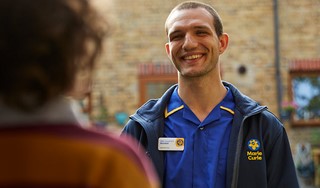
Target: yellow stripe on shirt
[(227, 109), (166, 113)]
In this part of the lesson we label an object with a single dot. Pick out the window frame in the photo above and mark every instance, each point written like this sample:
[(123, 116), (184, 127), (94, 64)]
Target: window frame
[(154, 73), (293, 73), (147, 79)]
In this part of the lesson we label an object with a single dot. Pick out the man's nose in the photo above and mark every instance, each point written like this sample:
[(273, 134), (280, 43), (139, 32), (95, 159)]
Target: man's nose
[(190, 42)]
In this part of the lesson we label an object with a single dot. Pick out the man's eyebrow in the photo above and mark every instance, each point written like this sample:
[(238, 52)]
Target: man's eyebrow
[(174, 32), (201, 27), (204, 27)]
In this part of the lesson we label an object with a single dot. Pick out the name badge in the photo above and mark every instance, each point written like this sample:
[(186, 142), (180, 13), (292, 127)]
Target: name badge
[(171, 144)]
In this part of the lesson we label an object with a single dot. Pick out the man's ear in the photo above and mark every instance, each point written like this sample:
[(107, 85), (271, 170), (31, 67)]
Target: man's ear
[(223, 42), (167, 49)]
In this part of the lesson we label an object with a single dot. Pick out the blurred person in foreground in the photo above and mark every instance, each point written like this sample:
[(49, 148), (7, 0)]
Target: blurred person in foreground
[(203, 132), (44, 44)]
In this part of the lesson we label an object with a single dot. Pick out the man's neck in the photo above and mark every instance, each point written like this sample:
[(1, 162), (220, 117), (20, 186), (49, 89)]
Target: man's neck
[(202, 97)]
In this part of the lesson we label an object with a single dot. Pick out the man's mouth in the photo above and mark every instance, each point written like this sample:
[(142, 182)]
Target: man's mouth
[(191, 57)]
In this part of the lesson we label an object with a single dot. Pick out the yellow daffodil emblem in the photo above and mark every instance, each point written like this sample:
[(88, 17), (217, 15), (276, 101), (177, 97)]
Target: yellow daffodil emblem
[(254, 144)]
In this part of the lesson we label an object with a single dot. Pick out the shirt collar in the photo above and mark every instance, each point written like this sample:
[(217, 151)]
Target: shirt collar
[(60, 110), (175, 104)]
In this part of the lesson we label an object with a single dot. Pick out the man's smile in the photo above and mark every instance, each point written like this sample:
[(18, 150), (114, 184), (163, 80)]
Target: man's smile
[(191, 57)]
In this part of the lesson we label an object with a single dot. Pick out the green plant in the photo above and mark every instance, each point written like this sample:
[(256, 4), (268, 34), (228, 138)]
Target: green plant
[(289, 106)]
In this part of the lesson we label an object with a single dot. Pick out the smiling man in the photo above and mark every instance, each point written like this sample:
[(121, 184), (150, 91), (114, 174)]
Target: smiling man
[(203, 132)]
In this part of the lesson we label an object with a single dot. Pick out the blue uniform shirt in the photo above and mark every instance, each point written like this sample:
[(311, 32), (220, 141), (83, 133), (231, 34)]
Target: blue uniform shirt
[(203, 161)]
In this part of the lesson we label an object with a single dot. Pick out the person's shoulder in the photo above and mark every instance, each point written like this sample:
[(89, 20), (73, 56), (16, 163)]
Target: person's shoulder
[(119, 154), (270, 117), (91, 137), (270, 123), (104, 138)]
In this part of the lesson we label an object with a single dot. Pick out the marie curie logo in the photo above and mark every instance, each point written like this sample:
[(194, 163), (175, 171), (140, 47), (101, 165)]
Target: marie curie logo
[(253, 144), (253, 154)]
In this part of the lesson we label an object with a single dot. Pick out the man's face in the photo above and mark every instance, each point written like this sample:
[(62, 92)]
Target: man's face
[(193, 46)]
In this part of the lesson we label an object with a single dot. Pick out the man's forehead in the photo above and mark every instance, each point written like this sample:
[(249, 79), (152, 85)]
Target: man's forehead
[(189, 18)]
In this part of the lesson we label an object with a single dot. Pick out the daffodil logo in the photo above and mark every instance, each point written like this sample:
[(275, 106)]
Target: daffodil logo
[(254, 144)]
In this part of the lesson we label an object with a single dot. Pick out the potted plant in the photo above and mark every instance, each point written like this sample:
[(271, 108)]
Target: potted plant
[(101, 120), (287, 108)]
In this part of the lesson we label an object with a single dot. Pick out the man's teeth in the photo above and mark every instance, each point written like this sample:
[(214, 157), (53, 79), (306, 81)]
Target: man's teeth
[(192, 57)]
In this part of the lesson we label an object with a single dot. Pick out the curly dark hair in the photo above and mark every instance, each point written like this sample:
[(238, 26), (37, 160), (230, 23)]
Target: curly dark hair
[(43, 44)]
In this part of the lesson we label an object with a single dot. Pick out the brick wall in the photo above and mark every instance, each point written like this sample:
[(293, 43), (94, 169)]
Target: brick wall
[(139, 37)]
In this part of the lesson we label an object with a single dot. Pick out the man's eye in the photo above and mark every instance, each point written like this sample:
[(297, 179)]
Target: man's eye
[(201, 32), (176, 37)]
